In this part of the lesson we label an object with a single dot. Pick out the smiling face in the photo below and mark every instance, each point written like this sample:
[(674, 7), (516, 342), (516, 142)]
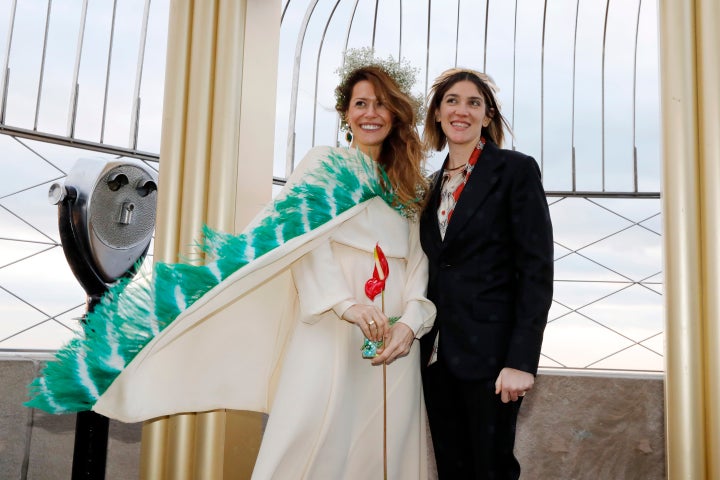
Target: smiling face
[(462, 114), (369, 120)]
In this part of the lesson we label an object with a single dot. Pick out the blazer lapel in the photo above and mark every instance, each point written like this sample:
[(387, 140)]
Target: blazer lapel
[(484, 176), (430, 218)]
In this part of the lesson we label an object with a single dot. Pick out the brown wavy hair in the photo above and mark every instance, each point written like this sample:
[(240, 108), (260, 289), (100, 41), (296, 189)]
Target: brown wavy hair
[(402, 155), (495, 132)]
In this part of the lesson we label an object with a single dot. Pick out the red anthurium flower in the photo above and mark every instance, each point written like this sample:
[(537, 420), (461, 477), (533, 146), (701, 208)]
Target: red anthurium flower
[(377, 283)]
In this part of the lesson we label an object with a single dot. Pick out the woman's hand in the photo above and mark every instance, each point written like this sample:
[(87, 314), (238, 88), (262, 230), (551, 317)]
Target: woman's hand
[(512, 384), (371, 320), (396, 344)]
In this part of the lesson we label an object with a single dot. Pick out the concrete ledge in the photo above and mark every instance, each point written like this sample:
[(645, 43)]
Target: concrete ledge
[(583, 427), (571, 427), (39, 446)]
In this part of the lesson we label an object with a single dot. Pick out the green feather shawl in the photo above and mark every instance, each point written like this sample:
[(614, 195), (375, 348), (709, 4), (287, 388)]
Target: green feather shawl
[(131, 314)]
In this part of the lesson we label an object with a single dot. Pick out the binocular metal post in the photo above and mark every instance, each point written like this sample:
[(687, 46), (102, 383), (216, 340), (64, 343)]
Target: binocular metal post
[(106, 218)]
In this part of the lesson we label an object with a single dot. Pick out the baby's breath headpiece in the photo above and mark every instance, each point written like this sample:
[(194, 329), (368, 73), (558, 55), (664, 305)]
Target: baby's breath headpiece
[(402, 72)]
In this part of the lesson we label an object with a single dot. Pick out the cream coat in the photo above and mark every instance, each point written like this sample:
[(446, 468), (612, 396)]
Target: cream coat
[(269, 339)]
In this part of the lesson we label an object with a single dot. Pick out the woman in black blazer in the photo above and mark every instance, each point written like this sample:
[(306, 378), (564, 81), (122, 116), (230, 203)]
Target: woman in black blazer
[(487, 233)]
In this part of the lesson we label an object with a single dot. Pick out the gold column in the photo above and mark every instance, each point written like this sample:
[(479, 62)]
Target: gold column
[(708, 42), (691, 131), (221, 68)]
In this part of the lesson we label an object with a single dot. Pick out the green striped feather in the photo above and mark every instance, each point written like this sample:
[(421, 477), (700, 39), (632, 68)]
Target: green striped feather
[(131, 314)]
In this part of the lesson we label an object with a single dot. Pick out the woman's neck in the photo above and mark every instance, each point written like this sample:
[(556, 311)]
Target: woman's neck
[(458, 155), (371, 151)]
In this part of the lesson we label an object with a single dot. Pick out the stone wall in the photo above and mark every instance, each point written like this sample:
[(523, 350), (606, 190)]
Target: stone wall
[(575, 427), (571, 427), (38, 446)]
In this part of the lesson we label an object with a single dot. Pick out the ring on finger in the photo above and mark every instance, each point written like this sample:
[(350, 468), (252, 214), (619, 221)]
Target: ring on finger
[(371, 323)]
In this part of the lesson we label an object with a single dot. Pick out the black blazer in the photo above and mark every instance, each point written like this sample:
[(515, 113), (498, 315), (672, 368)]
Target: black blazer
[(491, 278)]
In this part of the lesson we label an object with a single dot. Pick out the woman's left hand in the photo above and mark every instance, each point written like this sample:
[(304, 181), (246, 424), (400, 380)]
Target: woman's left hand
[(397, 343), (512, 384)]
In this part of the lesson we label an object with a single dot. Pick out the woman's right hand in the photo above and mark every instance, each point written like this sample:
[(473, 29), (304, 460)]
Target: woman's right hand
[(371, 320)]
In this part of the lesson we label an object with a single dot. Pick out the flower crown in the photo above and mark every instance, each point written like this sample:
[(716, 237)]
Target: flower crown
[(400, 71)]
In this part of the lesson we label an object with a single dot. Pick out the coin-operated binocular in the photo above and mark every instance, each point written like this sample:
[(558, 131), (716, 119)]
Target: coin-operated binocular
[(106, 219)]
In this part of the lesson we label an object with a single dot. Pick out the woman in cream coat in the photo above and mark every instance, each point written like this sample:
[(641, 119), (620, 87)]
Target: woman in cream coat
[(283, 333)]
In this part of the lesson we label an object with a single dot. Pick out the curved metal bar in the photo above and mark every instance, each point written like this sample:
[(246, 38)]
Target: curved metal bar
[(349, 27), (72, 116), (317, 70), (457, 33), (374, 25), (5, 74), (542, 93), (602, 91), (107, 71), (401, 33), (290, 153), (42, 64), (282, 16), (512, 120), (427, 49), (135, 119), (347, 40), (487, 18), (572, 122), (75, 143), (634, 100)]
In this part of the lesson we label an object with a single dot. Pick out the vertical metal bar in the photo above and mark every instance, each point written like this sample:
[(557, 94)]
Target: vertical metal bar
[(107, 71), (374, 24), (572, 125), (400, 36), (76, 72), (427, 46), (135, 120), (345, 45), (290, 153), (347, 30), (317, 70), (602, 91), (42, 64), (136, 115), (542, 93), (73, 111), (282, 16), (457, 33), (634, 101), (6, 68), (512, 120), (487, 17), (4, 95)]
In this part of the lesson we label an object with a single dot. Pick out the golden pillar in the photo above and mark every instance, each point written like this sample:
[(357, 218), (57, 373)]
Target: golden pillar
[(216, 168), (708, 19), (690, 76)]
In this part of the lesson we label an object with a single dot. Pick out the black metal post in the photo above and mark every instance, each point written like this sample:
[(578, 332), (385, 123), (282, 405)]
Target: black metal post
[(91, 439), (91, 435)]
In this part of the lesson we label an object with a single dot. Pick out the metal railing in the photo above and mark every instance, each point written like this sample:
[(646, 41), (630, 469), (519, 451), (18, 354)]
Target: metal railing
[(562, 65)]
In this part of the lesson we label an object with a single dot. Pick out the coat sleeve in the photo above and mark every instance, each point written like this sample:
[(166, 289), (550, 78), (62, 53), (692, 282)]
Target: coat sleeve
[(320, 284), (419, 312), (532, 239)]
